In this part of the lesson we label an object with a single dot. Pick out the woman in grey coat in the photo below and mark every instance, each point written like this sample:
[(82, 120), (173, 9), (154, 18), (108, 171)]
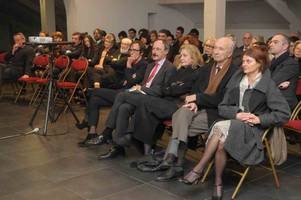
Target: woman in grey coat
[(251, 104)]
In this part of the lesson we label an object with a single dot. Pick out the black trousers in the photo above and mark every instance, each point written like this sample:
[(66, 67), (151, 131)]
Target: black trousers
[(101, 97), (120, 116), (10, 73)]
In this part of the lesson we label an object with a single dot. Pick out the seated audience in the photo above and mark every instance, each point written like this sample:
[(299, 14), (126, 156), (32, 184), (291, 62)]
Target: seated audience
[(152, 111), (157, 75), (134, 73), (297, 52), (195, 33), (132, 34), (200, 110), (251, 104)]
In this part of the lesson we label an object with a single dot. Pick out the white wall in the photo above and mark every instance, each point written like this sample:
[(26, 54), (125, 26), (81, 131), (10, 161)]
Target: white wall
[(116, 15)]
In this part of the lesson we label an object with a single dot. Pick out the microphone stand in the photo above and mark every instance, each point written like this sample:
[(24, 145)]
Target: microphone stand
[(51, 85)]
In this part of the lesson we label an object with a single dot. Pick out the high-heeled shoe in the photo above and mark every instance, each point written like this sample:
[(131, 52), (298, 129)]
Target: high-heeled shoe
[(218, 189), (196, 177)]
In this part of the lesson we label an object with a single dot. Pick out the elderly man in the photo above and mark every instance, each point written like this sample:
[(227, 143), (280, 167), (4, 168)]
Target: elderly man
[(200, 110), (246, 40), (284, 69), (157, 75), (18, 60)]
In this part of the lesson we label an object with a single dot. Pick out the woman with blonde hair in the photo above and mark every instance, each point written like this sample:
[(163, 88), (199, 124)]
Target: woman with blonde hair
[(153, 110)]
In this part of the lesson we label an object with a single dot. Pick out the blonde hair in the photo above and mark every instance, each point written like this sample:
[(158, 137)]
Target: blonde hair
[(195, 54), (296, 44)]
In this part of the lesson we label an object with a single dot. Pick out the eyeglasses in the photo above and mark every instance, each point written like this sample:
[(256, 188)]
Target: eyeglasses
[(209, 46), (134, 50)]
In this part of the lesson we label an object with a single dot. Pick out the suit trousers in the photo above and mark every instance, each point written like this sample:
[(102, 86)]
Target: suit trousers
[(100, 98), (187, 123), (121, 113), (9, 73)]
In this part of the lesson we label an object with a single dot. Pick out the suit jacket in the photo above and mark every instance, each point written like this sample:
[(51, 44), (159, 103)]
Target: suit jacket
[(22, 59), (285, 68), (210, 102), (161, 79)]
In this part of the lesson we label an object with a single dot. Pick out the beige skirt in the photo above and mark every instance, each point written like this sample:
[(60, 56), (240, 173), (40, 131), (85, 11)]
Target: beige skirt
[(220, 128)]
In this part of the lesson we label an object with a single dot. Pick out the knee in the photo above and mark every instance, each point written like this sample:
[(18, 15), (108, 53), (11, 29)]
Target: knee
[(220, 147), (125, 108)]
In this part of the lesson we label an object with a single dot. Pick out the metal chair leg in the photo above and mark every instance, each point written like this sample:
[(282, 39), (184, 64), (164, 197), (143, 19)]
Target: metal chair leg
[(240, 182), (209, 167), (277, 183)]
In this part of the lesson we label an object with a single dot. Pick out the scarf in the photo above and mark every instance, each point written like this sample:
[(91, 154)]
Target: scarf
[(216, 78)]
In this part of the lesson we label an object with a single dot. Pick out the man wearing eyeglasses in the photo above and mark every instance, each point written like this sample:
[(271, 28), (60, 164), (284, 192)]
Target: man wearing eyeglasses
[(157, 75)]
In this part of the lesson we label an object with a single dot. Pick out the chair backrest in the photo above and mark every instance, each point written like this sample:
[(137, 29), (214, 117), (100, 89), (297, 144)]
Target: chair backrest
[(298, 88), (80, 64), (41, 60), (62, 62), (2, 57)]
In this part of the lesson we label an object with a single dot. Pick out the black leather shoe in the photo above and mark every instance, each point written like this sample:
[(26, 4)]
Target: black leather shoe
[(172, 174), (149, 168), (82, 125), (113, 153), (88, 137), (98, 141)]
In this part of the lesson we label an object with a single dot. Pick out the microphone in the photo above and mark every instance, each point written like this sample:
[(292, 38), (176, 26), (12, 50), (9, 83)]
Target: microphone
[(35, 130)]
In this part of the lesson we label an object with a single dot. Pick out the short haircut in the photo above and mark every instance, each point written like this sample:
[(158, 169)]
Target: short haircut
[(122, 34), (166, 45), (261, 56), (181, 29), (165, 31), (20, 34), (140, 44), (285, 38), (126, 40), (132, 30), (194, 31)]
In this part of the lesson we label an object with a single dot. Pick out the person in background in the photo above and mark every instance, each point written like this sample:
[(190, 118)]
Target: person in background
[(18, 61), (99, 37), (132, 34), (74, 51)]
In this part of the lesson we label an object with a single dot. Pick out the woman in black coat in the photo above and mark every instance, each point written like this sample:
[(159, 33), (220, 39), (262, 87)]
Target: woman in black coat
[(251, 104), (153, 110)]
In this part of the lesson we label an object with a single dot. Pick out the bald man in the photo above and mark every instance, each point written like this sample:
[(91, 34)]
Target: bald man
[(200, 110)]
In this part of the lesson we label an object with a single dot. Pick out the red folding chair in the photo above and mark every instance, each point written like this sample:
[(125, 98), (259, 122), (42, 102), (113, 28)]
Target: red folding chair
[(41, 63), (61, 64), (78, 67), (2, 57), (294, 124)]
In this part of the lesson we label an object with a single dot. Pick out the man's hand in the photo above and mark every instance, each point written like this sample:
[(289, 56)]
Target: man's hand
[(130, 62), (98, 67), (190, 98), (191, 106), (284, 85), (25, 76)]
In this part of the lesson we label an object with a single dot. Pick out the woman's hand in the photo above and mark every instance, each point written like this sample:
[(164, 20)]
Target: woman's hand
[(248, 118)]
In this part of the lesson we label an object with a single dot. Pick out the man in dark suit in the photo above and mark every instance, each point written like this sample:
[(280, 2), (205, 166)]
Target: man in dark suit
[(201, 109), (157, 74), (18, 60), (284, 69)]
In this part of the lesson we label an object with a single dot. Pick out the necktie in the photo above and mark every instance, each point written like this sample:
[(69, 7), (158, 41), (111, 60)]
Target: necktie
[(152, 74), (218, 68)]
